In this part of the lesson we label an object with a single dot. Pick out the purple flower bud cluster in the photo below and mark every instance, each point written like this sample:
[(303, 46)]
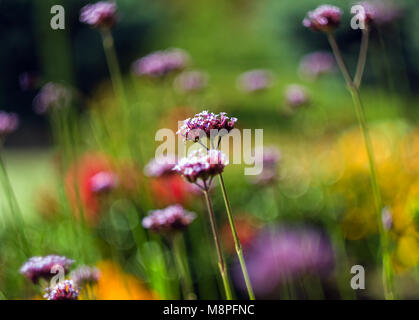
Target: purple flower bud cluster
[(42, 267), (296, 96), (85, 275), (316, 64), (102, 14), (160, 166), (9, 122), (270, 160), (51, 96), (103, 182), (161, 63), (201, 164), (172, 218), (285, 254), (324, 18), (203, 123), (65, 290), (191, 81), (255, 81)]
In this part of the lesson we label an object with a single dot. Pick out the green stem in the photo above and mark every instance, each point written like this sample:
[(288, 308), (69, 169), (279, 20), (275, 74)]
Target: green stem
[(387, 273), (221, 264), (362, 58), (179, 254), (239, 249)]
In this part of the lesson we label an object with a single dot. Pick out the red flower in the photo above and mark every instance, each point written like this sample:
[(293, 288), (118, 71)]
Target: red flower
[(170, 189)]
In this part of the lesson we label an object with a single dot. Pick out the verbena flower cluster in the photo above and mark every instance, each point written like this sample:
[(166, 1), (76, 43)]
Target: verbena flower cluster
[(201, 164), (316, 64), (161, 63), (190, 81), (65, 290), (160, 166), (203, 123), (379, 12), (40, 267), (255, 80), (9, 122), (172, 218), (103, 182), (296, 96), (51, 96), (102, 14), (85, 275), (325, 18), (270, 160)]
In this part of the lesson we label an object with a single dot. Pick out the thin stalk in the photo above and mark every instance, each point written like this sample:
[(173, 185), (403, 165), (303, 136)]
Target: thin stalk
[(387, 274), (239, 249), (221, 264), (179, 254), (362, 57)]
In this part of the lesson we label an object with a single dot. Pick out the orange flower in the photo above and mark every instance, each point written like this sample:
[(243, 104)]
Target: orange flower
[(170, 189), (247, 229)]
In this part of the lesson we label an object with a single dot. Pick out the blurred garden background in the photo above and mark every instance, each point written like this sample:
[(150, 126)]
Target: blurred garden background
[(317, 202)]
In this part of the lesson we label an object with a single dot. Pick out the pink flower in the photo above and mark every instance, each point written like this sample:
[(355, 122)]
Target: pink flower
[(172, 218), (65, 290), (317, 63), (296, 96), (255, 80), (191, 81), (99, 15), (9, 122), (325, 18)]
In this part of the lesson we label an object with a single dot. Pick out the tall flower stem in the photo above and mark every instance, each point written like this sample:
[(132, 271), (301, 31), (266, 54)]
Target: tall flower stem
[(239, 249), (179, 253), (221, 264), (362, 57), (387, 273)]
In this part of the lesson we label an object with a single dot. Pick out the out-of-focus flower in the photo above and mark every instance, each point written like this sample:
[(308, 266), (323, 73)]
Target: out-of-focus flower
[(296, 96), (51, 96), (255, 80), (85, 275), (201, 164), (171, 219), (190, 81), (161, 63), (84, 184), (325, 18), (28, 81), (380, 12), (40, 267), (9, 122), (269, 164), (317, 63), (65, 290), (102, 14), (276, 256), (247, 229), (160, 166), (386, 218), (114, 284), (204, 123)]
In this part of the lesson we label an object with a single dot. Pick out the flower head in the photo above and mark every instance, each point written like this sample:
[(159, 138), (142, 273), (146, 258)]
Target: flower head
[(325, 18), (161, 63), (269, 164), (51, 96), (204, 123), (379, 12), (65, 290), (296, 96), (255, 80), (85, 275), (190, 81), (9, 122), (42, 267), (202, 165), (160, 166), (317, 63), (387, 219), (172, 218), (286, 253), (102, 14), (103, 182)]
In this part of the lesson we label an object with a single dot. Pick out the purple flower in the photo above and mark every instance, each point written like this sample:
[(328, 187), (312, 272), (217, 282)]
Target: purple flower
[(255, 80), (379, 12), (190, 81), (161, 63), (99, 15), (9, 122), (42, 267), (296, 96), (283, 254), (269, 163), (160, 166), (28, 81), (85, 275), (51, 96), (172, 218), (201, 164), (65, 290), (316, 64), (387, 218), (103, 182), (325, 18), (203, 123)]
